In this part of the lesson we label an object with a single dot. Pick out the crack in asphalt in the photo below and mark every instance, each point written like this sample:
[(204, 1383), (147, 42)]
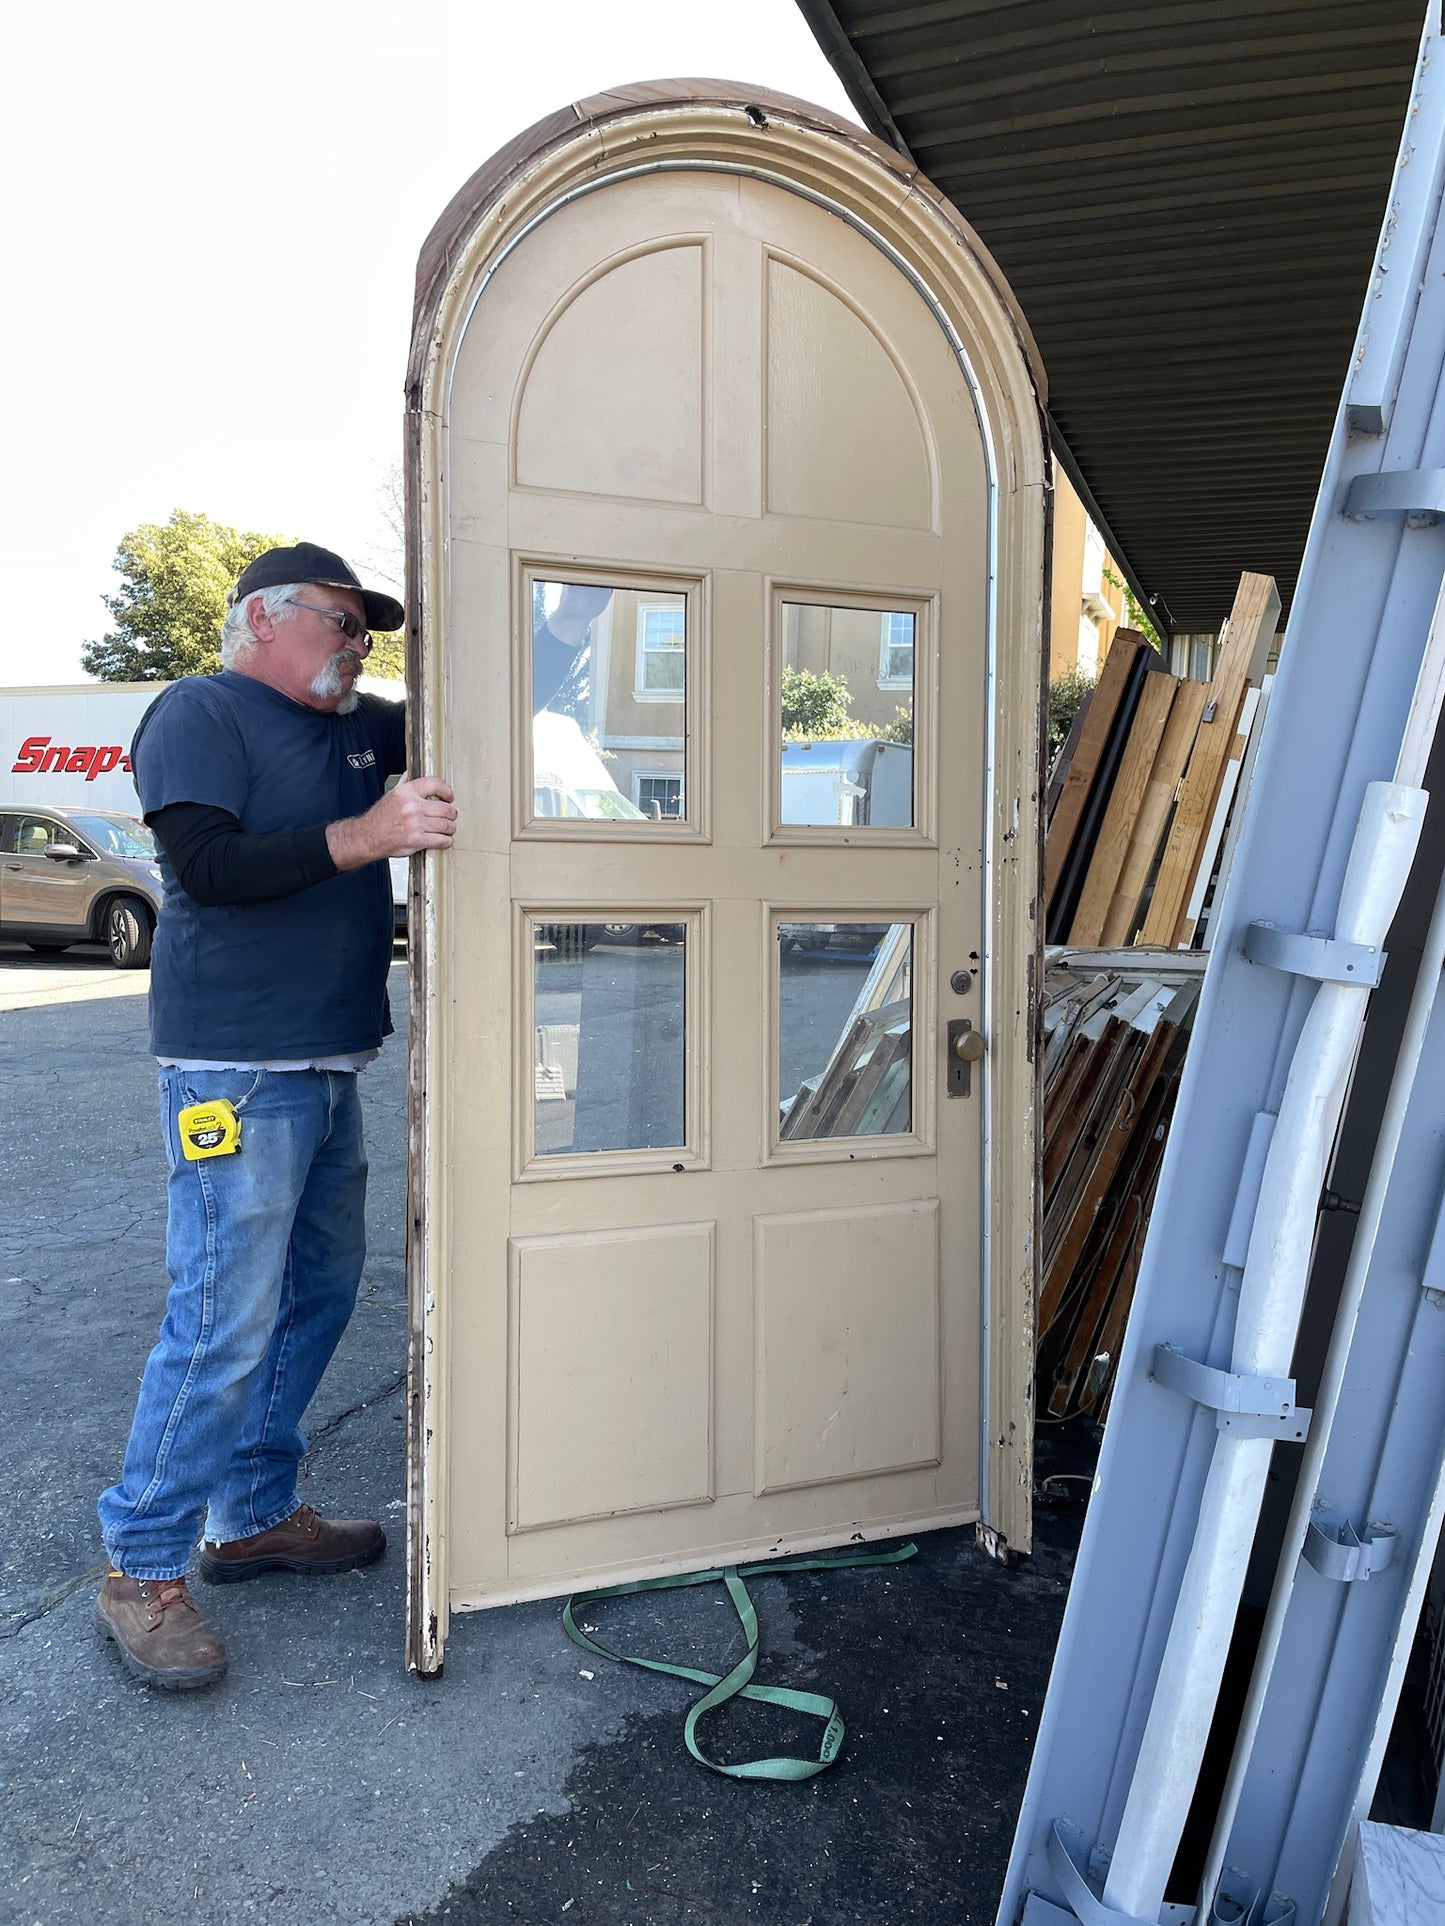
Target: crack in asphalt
[(48, 1601), (337, 1419), (14, 1622)]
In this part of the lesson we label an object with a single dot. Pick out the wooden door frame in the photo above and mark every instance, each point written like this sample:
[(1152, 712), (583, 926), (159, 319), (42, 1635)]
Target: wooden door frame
[(712, 126)]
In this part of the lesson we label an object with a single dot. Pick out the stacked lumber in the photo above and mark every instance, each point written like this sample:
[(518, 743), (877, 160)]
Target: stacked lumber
[(1114, 1042), (865, 1088), (1141, 799)]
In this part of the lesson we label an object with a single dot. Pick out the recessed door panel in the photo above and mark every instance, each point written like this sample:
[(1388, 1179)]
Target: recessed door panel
[(619, 1325), (612, 403), (847, 1345), (845, 441)]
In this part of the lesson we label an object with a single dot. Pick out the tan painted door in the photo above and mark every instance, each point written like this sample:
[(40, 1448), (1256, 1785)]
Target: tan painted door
[(709, 1219)]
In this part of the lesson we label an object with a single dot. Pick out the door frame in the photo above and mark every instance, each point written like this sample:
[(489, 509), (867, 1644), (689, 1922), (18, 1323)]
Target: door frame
[(702, 126)]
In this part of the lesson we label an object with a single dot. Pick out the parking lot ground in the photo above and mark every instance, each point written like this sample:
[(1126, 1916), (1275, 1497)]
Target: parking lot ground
[(319, 1782)]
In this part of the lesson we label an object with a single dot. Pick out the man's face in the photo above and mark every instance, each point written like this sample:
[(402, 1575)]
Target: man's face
[(305, 655)]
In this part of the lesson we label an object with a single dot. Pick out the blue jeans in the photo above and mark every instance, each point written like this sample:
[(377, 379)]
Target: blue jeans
[(264, 1250)]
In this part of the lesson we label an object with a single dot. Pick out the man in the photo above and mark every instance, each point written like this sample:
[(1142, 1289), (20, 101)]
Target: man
[(265, 788)]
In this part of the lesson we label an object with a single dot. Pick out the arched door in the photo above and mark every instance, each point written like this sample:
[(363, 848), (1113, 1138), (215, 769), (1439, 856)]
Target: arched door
[(710, 508)]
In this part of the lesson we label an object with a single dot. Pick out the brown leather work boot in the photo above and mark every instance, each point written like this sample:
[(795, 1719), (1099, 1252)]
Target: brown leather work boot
[(159, 1633), (304, 1542)]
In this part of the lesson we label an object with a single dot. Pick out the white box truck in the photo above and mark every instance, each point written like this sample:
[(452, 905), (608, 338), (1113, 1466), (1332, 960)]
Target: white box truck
[(69, 745)]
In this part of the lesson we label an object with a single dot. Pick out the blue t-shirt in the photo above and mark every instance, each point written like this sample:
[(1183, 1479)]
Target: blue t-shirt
[(303, 975)]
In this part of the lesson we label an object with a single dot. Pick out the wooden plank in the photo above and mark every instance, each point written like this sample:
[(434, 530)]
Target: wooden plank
[(1094, 1346), (1071, 1112), (1146, 732), (1093, 739), (1225, 806), (1112, 1145), (1236, 816), (1153, 818), (1065, 899), (1111, 1333), (1062, 1209), (1063, 761), (1256, 608), (1116, 1235)]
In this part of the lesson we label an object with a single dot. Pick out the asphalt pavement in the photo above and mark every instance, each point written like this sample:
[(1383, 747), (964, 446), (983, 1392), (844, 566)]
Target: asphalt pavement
[(320, 1782)]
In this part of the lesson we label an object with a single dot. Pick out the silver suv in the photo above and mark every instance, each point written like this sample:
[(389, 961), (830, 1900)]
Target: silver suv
[(79, 876)]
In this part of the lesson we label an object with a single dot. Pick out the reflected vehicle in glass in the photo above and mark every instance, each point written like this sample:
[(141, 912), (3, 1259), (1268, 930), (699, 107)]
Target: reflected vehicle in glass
[(852, 942), (848, 784), (569, 938), (569, 778), (846, 716), (79, 876)]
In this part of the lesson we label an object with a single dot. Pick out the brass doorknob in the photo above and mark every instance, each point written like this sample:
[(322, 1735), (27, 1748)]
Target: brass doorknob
[(968, 1046)]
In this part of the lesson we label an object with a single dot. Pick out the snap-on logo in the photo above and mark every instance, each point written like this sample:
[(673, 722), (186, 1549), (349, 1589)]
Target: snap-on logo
[(363, 759), (39, 756)]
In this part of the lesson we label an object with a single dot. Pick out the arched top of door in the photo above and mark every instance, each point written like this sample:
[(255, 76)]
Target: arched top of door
[(718, 123)]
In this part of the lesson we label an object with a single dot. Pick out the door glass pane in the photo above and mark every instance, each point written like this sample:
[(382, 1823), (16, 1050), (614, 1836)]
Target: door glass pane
[(609, 700), (845, 1029), (847, 716), (609, 1035)]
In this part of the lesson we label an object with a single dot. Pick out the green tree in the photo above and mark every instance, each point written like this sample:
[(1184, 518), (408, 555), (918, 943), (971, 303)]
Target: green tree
[(388, 655), (1067, 694), (816, 706), (1136, 616), (386, 564), (168, 609)]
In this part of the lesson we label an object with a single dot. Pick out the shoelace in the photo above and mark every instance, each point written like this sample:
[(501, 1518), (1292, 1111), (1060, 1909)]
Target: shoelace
[(165, 1592)]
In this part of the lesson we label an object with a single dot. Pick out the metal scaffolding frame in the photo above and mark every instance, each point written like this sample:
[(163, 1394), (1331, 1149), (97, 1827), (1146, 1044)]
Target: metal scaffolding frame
[(1278, 1430)]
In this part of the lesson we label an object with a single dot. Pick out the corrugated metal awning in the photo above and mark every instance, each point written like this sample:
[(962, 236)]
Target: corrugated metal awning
[(1185, 196)]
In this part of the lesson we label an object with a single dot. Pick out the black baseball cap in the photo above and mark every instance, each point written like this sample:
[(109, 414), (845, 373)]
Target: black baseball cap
[(308, 562)]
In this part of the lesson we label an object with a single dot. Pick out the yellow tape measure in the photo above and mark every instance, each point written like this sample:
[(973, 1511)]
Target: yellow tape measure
[(209, 1130)]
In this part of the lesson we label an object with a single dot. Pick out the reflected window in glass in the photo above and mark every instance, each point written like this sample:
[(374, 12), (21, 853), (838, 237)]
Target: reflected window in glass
[(660, 797), (846, 722), (609, 1016), (603, 711), (661, 649), (845, 1030), (895, 662)]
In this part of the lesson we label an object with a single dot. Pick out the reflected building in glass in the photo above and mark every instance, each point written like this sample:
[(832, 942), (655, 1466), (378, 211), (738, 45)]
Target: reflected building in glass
[(609, 674)]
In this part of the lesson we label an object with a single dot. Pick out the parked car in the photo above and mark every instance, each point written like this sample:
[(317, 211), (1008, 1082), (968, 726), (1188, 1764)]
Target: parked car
[(79, 876)]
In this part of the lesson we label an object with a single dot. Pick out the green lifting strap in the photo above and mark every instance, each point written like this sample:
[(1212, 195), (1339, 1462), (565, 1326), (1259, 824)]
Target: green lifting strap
[(736, 1683)]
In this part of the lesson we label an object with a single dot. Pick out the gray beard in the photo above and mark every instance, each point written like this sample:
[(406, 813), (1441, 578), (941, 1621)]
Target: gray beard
[(329, 683)]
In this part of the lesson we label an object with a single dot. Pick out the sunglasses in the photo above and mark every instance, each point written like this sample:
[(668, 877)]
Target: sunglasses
[(343, 618)]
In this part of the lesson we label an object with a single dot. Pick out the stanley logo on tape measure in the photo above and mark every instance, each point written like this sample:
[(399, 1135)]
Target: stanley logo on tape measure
[(209, 1130)]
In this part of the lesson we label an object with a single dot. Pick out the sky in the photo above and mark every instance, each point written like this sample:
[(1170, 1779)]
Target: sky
[(209, 230)]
